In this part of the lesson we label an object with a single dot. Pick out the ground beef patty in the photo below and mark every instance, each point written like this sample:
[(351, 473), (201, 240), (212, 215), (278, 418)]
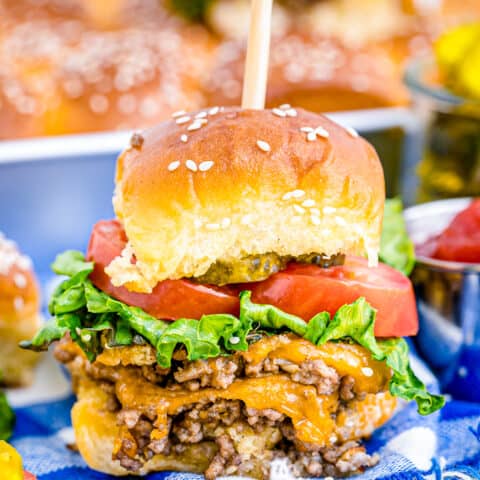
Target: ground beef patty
[(246, 439)]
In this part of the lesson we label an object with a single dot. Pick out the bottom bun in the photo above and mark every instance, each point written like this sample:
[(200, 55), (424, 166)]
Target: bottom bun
[(233, 415), (96, 432)]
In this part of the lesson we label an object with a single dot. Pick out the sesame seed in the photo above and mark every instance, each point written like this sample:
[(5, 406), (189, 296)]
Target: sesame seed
[(212, 226), (308, 203), (367, 371), (315, 220), (291, 112), (306, 129), (340, 221), (297, 193), (20, 280), (287, 196), (182, 120), (98, 104), (321, 132), (204, 166), (311, 136), (299, 209), (184, 138), (191, 165), (234, 340), (197, 223), (18, 303), (333, 438), (314, 211), (196, 125), (353, 133), (246, 219), (328, 210), (285, 106), (201, 115), (264, 146), (179, 113), (278, 112), (226, 222), (24, 262), (213, 110), (173, 165)]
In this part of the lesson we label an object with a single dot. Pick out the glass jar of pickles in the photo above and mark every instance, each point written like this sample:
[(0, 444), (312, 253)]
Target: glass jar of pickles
[(446, 93)]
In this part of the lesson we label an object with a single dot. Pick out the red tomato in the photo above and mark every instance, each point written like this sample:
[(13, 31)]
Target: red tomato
[(28, 476), (303, 290), (460, 241), (170, 299)]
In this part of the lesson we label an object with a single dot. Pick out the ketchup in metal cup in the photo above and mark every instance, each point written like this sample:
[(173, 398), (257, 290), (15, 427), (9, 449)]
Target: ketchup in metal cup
[(460, 241)]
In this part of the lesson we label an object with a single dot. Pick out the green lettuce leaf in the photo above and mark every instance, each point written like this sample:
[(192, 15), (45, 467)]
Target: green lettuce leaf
[(396, 248), (7, 417), (94, 320)]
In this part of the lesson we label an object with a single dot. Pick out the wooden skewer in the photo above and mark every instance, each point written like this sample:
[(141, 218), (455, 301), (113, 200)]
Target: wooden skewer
[(256, 66)]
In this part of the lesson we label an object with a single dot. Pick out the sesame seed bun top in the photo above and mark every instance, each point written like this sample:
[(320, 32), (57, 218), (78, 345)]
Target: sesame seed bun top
[(19, 314), (221, 184), (18, 288)]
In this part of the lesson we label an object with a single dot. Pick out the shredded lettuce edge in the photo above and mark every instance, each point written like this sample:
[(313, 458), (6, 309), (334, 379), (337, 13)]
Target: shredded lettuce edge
[(94, 320)]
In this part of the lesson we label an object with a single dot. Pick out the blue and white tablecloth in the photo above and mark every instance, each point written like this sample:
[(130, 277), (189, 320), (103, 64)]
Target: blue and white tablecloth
[(445, 445)]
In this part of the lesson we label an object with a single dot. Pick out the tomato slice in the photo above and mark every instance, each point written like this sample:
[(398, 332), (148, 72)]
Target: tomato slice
[(460, 241), (28, 476), (170, 299), (303, 290)]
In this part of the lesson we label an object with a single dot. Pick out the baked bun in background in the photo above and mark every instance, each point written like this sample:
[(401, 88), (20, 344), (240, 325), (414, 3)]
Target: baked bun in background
[(231, 18), (19, 314), (130, 77), (64, 71), (314, 73), (252, 182)]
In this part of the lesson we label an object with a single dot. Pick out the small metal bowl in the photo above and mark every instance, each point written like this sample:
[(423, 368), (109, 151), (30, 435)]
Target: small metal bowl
[(448, 299)]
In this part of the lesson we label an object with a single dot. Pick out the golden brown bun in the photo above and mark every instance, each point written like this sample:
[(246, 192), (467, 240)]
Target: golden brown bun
[(78, 76), (96, 430), (299, 197), (19, 314), (314, 73), (128, 78)]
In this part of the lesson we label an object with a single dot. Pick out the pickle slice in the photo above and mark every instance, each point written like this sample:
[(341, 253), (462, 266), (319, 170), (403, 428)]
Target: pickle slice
[(255, 268)]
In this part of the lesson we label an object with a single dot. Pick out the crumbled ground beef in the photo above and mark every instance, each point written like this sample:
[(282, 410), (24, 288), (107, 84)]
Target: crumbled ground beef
[(217, 373), (222, 422)]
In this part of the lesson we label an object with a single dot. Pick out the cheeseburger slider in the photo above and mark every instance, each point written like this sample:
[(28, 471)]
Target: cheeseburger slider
[(19, 314), (228, 316)]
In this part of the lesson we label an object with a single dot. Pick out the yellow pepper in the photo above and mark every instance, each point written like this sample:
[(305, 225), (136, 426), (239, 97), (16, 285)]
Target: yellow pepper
[(458, 59), (10, 462)]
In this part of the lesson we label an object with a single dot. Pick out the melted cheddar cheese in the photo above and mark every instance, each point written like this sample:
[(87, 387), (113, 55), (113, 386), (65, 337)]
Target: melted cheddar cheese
[(316, 418)]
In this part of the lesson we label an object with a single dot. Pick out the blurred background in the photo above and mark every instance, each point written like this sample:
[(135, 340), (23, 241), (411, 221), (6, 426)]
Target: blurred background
[(77, 76)]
